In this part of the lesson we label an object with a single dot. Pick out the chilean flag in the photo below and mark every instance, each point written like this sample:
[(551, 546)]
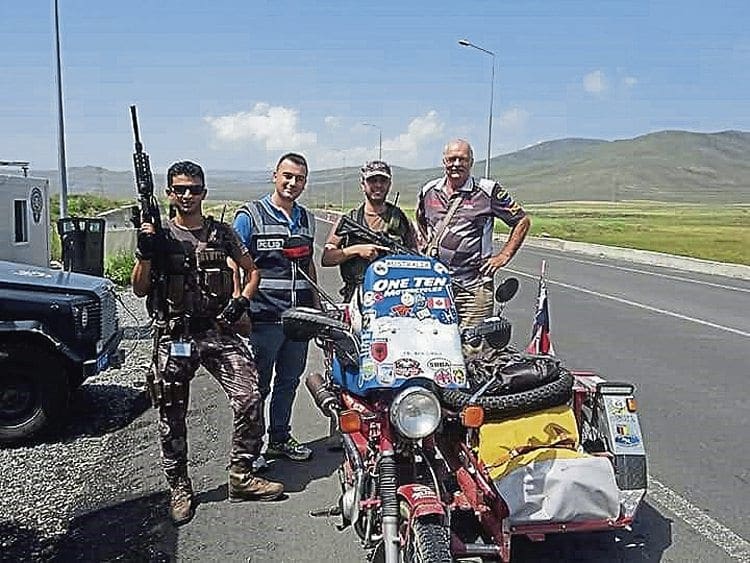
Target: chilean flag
[(540, 340)]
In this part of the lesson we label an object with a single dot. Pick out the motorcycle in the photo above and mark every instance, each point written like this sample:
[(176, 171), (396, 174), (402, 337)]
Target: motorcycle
[(444, 447)]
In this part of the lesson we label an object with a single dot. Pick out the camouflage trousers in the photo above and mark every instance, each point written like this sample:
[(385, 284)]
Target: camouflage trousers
[(230, 360), (475, 305)]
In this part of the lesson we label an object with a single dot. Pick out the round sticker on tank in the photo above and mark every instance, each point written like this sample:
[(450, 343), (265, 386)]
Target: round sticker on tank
[(407, 299), (438, 363), (459, 376), (368, 299), (443, 377), (380, 268)]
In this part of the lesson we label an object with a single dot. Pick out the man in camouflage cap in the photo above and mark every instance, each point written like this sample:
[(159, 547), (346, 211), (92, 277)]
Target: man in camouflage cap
[(353, 256)]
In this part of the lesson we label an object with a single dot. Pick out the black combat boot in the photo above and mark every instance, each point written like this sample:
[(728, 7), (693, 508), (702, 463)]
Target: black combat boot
[(181, 499), (246, 485)]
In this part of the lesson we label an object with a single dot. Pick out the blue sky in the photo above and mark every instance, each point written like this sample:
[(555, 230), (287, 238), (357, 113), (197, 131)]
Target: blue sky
[(234, 84)]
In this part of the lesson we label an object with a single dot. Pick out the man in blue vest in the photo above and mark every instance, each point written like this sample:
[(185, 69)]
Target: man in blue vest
[(264, 226)]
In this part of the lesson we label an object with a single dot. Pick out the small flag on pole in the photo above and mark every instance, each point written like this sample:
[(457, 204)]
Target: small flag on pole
[(540, 337)]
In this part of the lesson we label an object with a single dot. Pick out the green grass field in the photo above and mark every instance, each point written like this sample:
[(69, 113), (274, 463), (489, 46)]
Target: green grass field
[(719, 233)]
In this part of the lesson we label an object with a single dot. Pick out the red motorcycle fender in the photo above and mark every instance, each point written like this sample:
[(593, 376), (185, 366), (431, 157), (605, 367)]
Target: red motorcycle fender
[(422, 500)]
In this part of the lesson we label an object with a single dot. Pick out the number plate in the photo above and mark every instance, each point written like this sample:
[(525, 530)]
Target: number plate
[(179, 349), (102, 362)]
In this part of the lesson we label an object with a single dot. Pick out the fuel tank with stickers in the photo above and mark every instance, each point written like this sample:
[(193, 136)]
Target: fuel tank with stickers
[(408, 328)]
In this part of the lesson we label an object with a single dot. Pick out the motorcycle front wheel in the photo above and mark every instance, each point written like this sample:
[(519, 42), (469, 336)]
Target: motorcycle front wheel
[(428, 540)]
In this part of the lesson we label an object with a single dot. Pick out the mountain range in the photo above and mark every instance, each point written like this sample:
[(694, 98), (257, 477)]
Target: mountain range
[(676, 166)]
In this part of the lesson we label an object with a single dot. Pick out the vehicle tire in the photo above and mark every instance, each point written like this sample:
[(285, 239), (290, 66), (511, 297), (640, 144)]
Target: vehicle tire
[(303, 323), (34, 392), (430, 542), (552, 394)]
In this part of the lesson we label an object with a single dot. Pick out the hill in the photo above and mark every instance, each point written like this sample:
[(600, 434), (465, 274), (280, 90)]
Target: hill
[(676, 166)]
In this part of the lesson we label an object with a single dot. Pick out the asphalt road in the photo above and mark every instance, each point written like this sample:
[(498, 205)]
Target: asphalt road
[(681, 338), (684, 340)]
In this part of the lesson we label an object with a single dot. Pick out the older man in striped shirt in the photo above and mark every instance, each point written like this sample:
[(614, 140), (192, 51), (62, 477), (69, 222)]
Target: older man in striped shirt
[(468, 206)]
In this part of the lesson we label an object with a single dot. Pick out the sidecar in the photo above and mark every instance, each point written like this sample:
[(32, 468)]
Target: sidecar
[(572, 464)]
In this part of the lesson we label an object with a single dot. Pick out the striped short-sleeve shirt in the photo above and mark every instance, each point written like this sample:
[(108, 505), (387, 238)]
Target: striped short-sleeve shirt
[(467, 241)]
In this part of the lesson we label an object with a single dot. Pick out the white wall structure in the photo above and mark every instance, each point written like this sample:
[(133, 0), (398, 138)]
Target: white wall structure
[(119, 236), (24, 227)]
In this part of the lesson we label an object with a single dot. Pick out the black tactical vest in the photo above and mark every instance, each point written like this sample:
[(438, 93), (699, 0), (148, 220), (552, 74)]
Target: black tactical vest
[(198, 281)]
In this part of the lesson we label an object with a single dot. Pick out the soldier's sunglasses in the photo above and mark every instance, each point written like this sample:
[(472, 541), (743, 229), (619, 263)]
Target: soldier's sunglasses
[(193, 189)]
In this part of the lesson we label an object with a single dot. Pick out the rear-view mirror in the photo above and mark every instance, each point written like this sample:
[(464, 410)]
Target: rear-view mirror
[(506, 290)]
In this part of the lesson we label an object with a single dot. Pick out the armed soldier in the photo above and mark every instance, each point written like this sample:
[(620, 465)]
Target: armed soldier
[(353, 255), (194, 327)]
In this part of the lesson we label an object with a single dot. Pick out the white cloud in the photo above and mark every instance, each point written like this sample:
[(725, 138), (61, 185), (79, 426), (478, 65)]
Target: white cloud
[(630, 81), (514, 120), (405, 148), (413, 148), (595, 82), (332, 122), (275, 127)]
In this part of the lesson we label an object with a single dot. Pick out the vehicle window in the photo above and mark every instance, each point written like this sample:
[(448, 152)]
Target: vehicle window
[(21, 220)]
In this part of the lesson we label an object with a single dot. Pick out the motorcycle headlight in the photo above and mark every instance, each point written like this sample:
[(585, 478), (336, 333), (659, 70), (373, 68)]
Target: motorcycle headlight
[(415, 412)]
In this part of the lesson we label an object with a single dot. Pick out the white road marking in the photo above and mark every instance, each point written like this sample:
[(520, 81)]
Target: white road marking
[(634, 304), (736, 546), (637, 271)]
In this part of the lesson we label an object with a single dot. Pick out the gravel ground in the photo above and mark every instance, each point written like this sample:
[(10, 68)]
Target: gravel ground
[(44, 486)]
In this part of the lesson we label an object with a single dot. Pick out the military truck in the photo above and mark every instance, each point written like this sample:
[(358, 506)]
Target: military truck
[(56, 329)]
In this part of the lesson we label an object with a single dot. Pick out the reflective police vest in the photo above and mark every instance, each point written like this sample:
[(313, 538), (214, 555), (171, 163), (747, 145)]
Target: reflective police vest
[(275, 290)]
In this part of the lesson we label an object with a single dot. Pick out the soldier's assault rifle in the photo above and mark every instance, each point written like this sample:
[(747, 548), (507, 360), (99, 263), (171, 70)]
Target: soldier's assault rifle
[(148, 208), (349, 227), (147, 211)]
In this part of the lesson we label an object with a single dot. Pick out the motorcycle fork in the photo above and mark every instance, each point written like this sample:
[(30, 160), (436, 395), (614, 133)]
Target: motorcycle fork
[(387, 487)]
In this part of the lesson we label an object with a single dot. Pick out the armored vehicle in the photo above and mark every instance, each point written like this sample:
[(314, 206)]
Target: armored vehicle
[(56, 329)]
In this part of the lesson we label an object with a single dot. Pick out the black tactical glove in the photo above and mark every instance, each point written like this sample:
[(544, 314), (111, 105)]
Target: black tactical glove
[(234, 309), (145, 245)]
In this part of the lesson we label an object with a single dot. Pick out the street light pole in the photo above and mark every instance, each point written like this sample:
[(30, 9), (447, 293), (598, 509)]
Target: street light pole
[(343, 173), (467, 43), (380, 139), (60, 124)]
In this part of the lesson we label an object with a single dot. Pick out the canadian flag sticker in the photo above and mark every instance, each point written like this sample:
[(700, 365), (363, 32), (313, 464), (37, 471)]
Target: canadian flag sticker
[(438, 303)]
